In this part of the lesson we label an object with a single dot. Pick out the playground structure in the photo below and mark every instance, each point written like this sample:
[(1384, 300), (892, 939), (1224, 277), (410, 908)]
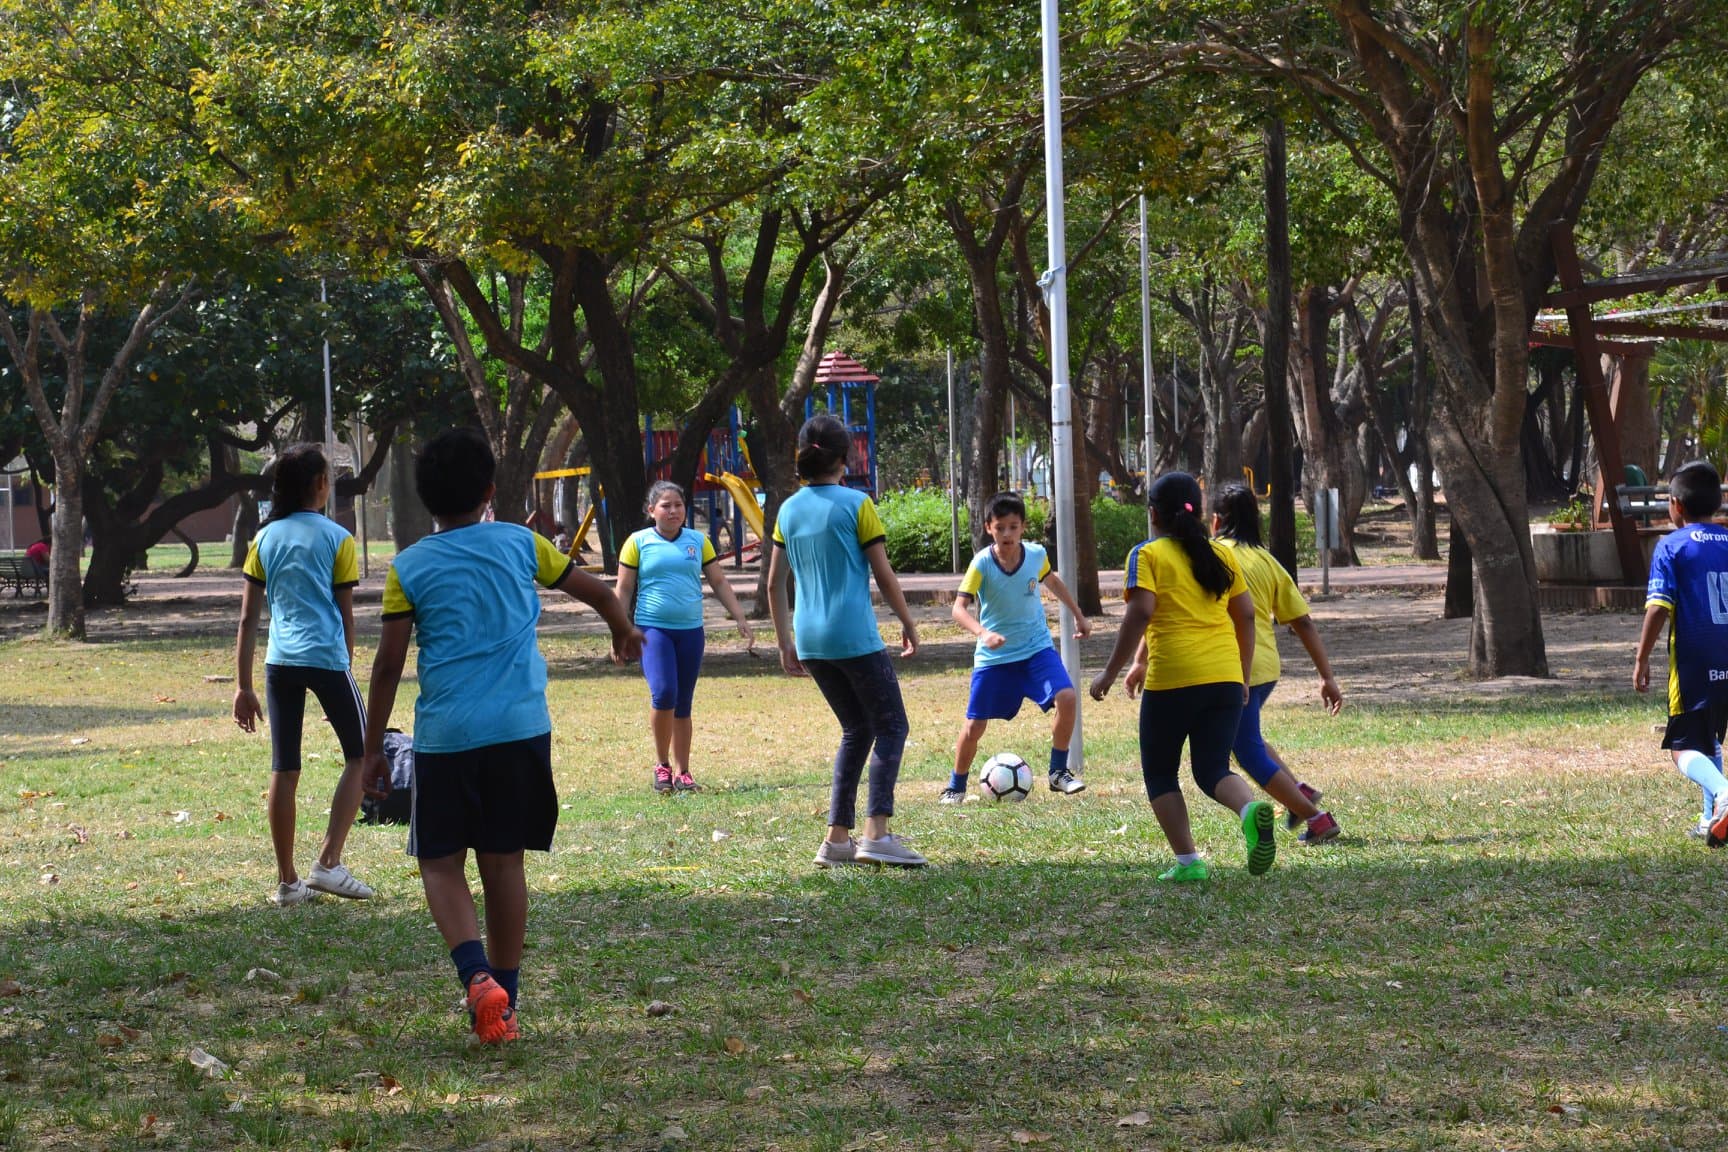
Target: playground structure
[(726, 488)]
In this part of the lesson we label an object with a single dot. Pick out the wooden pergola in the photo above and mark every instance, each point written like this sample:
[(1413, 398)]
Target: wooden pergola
[(1626, 334)]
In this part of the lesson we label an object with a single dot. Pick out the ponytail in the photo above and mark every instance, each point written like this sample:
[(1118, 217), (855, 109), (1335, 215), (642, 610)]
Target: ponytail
[(293, 480), (823, 443), (1176, 497), (1238, 515)]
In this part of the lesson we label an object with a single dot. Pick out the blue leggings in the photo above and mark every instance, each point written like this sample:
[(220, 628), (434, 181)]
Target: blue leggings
[(1250, 746), (671, 661)]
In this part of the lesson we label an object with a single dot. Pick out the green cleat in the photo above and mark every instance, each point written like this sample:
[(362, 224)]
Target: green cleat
[(1257, 833), (1186, 873)]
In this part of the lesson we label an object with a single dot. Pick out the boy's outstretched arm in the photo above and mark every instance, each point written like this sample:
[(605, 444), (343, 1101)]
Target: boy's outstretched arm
[(1655, 616), (381, 700), (1082, 626), (969, 623), (626, 637)]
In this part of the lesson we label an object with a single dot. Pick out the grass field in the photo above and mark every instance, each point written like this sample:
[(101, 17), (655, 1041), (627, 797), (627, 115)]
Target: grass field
[(1513, 947)]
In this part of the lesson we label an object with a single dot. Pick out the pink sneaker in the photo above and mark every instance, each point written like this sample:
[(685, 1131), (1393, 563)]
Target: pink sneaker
[(684, 782), (663, 778), (1293, 821), (1320, 829)]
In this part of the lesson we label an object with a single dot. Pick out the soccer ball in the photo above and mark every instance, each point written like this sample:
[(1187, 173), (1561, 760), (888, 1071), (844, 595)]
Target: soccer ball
[(1005, 777)]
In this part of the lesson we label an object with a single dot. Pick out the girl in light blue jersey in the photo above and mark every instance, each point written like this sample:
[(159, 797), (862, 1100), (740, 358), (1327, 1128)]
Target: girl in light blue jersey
[(660, 572), (303, 564), (829, 538)]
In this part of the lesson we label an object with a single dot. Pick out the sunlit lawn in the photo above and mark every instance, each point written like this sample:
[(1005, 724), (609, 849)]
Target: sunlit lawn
[(1514, 946)]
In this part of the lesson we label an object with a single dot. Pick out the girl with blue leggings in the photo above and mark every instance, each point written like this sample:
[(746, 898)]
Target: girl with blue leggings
[(1236, 524), (660, 572)]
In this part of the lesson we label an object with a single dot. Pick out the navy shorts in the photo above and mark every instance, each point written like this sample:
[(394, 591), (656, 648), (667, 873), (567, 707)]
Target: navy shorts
[(498, 798), (998, 690), (1698, 730)]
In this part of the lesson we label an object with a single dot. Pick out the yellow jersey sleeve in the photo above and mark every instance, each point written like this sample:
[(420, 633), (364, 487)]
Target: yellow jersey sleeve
[(551, 565), (396, 603), (253, 569), (347, 569), (1045, 569), (973, 580), (778, 539), (708, 553), (1287, 602), (1142, 571), (870, 527), (630, 556)]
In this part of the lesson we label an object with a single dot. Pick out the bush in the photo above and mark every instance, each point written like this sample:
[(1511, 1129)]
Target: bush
[(920, 534), (1116, 527)]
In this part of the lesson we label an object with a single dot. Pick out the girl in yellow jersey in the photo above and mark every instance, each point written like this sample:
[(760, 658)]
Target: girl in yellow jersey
[(1236, 524), (1187, 599)]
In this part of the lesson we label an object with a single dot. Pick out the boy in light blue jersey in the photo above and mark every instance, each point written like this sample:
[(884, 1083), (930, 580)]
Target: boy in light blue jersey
[(1689, 585), (1014, 660), (482, 732)]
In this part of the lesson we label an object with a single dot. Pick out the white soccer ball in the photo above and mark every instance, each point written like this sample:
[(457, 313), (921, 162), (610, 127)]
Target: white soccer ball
[(1005, 777)]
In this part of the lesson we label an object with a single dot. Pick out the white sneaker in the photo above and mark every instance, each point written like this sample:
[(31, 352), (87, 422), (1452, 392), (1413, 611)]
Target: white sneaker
[(1066, 782), (1700, 830), (834, 854), (1719, 809), (337, 881), (890, 850), (295, 893)]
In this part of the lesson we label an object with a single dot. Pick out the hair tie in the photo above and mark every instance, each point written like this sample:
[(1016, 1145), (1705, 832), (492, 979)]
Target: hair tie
[(1187, 507)]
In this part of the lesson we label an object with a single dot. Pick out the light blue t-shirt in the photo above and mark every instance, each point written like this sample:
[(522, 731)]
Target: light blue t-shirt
[(1009, 603), (300, 561), (824, 529), (473, 595), (668, 576)]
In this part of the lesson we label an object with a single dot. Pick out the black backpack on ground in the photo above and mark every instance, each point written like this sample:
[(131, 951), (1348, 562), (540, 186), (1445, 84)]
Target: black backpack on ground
[(395, 807)]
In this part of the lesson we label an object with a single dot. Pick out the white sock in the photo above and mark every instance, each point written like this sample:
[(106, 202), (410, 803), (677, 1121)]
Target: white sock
[(1187, 857)]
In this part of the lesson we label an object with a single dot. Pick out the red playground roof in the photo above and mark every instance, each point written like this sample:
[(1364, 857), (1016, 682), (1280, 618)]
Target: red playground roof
[(839, 368)]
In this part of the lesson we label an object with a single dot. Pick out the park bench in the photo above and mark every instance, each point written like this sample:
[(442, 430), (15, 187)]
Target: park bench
[(19, 574), (1645, 503)]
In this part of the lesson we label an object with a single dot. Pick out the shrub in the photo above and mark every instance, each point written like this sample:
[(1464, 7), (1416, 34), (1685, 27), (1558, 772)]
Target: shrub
[(919, 530)]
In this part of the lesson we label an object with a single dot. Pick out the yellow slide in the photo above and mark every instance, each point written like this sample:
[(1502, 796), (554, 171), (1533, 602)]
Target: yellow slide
[(745, 497)]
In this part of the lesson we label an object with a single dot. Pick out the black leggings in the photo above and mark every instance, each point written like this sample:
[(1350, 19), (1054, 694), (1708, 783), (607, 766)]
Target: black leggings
[(1204, 716), (285, 688), (865, 697)]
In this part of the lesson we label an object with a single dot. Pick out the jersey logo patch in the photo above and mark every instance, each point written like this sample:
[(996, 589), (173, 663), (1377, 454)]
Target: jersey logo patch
[(1717, 582)]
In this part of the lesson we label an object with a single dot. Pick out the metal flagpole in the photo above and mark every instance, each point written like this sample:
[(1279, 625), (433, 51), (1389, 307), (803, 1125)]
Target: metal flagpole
[(329, 408), (953, 475), (1148, 397), (1055, 285)]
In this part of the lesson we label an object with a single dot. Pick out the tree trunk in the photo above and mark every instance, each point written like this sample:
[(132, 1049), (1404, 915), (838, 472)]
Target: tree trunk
[(1275, 360), (1086, 593), (1425, 538), (409, 520), (65, 588), (1319, 427), (243, 528)]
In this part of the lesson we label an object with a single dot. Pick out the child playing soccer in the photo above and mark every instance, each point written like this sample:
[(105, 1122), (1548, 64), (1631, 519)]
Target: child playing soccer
[(1236, 525), (660, 572), (1187, 597), (829, 538), (303, 564), (1014, 660), (1689, 591), (482, 732)]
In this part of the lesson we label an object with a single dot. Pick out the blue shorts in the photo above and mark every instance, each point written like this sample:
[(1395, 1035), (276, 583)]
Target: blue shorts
[(671, 661), (998, 690)]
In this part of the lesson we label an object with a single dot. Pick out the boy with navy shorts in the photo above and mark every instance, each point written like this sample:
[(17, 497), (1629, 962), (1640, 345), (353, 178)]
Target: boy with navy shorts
[(1689, 587), (1014, 660), (482, 731)]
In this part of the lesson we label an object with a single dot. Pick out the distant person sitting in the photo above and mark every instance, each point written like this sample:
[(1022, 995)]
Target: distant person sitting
[(37, 556)]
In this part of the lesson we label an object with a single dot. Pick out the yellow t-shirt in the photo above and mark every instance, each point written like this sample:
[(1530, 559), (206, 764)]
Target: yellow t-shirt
[(1276, 601), (1190, 638)]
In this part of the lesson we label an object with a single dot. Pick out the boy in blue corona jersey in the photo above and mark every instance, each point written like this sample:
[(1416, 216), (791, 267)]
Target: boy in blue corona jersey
[(1014, 660), (1689, 589), (482, 732)]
